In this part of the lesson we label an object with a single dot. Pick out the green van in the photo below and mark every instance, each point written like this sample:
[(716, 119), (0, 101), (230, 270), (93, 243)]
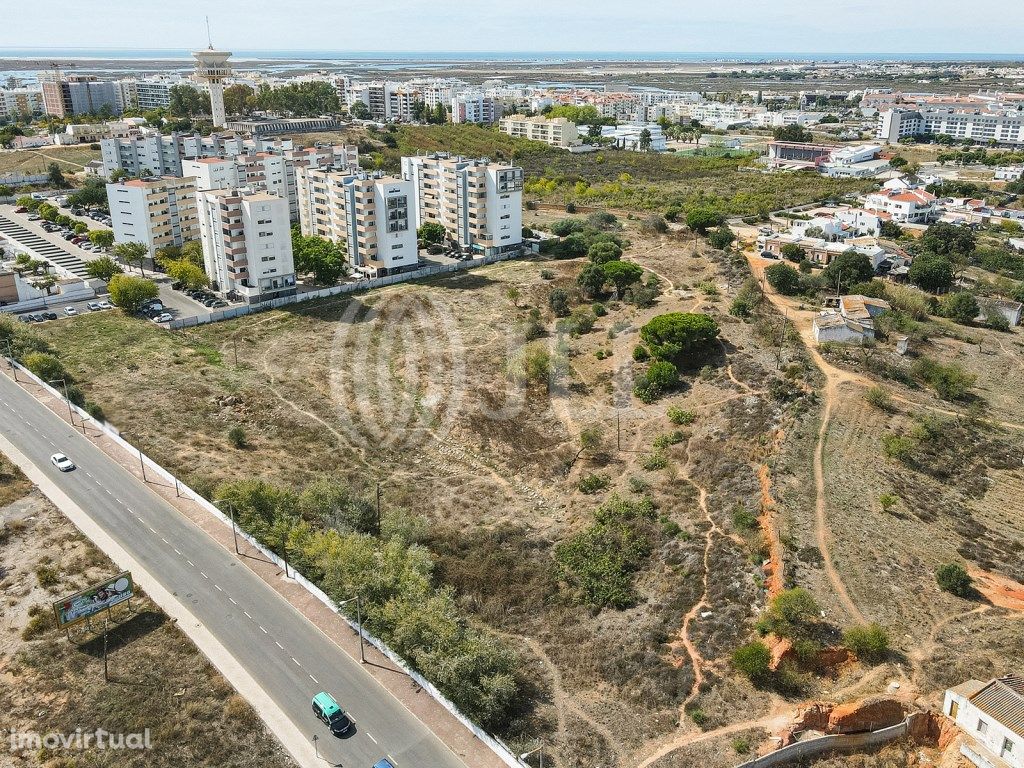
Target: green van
[(329, 711)]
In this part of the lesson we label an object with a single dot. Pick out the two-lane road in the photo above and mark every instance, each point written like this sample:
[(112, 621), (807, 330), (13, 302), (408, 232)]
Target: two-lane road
[(282, 651)]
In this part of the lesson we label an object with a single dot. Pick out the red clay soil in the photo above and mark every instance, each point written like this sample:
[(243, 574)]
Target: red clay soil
[(999, 590), (770, 531)]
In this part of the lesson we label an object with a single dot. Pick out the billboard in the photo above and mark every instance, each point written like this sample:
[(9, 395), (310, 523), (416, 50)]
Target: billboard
[(81, 605)]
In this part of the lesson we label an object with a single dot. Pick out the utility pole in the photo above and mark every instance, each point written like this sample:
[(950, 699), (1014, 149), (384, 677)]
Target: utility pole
[(378, 507), (106, 670), (782, 340), (10, 357), (231, 511), (67, 399), (359, 623)]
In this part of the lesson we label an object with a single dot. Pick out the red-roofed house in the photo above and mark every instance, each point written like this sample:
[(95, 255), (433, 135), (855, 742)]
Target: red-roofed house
[(916, 206)]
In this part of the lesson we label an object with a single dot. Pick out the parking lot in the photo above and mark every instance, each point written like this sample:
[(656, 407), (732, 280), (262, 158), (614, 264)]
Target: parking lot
[(31, 235)]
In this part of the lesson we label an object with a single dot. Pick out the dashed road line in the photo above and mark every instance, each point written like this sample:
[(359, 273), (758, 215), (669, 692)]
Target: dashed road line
[(279, 645), (263, 630), (218, 587), (368, 734), (190, 562), (314, 680), (232, 601), (296, 661), (247, 614)]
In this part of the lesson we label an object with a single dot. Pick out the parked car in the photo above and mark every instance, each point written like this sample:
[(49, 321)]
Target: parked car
[(62, 462), (332, 715), (21, 209), (34, 217), (164, 317), (50, 315), (105, 305), (219, 303), (94, 306), (384, 763), (70, 311)]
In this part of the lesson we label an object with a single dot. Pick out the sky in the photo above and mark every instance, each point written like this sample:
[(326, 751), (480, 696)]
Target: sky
[(678, 26)]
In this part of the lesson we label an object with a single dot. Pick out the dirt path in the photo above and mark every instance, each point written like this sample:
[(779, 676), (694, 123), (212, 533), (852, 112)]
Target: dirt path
[(773, 723)]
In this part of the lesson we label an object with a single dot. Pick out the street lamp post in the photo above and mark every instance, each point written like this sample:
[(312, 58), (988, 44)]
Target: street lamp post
[(142, 463), (10, 356), (231, 512), (359, 623), (71, 413), (539, 749)]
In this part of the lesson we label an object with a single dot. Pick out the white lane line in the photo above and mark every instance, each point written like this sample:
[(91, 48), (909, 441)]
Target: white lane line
[(190, 562), (232, 601), (263, 630), (203, 575), (247, 614), (118, 500), (218, 587), (371, 738), (151, 528), (176, 551), (314, 680), (279, 645), (88, 473), (165, 541), (296, 661), (130, 510), (107, 491)]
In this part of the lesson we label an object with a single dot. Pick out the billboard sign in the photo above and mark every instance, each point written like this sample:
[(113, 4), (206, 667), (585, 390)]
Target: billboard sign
[(93, 600)]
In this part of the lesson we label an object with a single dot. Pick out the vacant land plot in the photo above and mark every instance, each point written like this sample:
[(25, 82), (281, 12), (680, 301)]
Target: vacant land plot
[(411, 386), (628, 180), (158, 680), (36, 161)]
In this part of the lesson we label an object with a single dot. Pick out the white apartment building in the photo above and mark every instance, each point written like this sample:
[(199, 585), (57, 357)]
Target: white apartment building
[(475, 108), (247, 243), (268, 171), (157, 212), (990, 717), (372, 215), (914, 206), (1003, 128), (20, 102), (556, 131), (479, 203)]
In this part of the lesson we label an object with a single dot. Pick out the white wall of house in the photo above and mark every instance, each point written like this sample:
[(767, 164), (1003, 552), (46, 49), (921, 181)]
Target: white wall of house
[(994, 737)]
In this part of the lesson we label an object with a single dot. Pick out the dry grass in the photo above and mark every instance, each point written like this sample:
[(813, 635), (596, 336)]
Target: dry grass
[(160, 681), (13, 484), (408, 385), (35, 161)]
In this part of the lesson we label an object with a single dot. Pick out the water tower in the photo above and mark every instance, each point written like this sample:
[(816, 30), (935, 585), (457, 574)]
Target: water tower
[(212, 68)]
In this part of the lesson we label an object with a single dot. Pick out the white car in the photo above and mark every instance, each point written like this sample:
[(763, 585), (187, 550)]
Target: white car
[(105, 305), (166, 317), (62, 462), (70, 311)]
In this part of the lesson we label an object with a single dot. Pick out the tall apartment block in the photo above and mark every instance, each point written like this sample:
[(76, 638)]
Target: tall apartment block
[(372, 215), (64, 96), (479, 203), (157, 212), (268, 171), (247, 243)]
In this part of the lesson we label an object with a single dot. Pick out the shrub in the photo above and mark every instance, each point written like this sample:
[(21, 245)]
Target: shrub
[(600, 562), (898, 447), (741, 745), (237, 437), (783, 278), (744, 519), (599, 309), (593, 483), (869, 641), (679, 416), (640, 353), (708, 287), (47, 576), (793, 252), (558, 300), (791, 614), (579, 322), (547, 274), (531, 366), (950, 381), (721, 238), (670, 438), (753, 661), (961, 307), (931, 272), (654, 461), (879, 398), (953, 578), (638, 485), (660, 377), (888, 501), (37, 625), (996, 320)]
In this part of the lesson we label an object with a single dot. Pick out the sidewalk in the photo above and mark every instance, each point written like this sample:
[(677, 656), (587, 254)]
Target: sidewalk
[(472, 752)]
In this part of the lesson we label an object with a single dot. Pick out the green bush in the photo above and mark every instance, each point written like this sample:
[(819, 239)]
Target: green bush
[(593, 483), (792, 614), (869, 641), (660, 377), (601, 561), (879, 398), (783, 278), (672, 438), (753, 661), (654, 461), (950, 381), (953, 578), (678, 334), (898, 447), (679, 416), (237, 437), (744, 519)]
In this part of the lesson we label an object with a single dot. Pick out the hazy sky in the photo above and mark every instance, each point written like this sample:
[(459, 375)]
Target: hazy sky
[(837, 26)]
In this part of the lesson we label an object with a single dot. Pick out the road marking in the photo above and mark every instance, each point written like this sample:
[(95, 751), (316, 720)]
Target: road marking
[(165, 541), (263, 630), (279, 645), (232, 601), (371, 738), (203, 575), (218, 587), (314, 680), (118, 500), (247, 614), (190, 562), (88, 473), (151, 528), (130, 510), (296, 661)]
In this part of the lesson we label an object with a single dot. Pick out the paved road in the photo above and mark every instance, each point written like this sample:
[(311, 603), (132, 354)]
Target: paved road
[(289, 657)]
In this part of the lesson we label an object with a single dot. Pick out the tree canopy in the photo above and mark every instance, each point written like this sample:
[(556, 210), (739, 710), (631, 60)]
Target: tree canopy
[(318, 256), (678, 334), (931, 271), (130, 293), (847, 269)]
